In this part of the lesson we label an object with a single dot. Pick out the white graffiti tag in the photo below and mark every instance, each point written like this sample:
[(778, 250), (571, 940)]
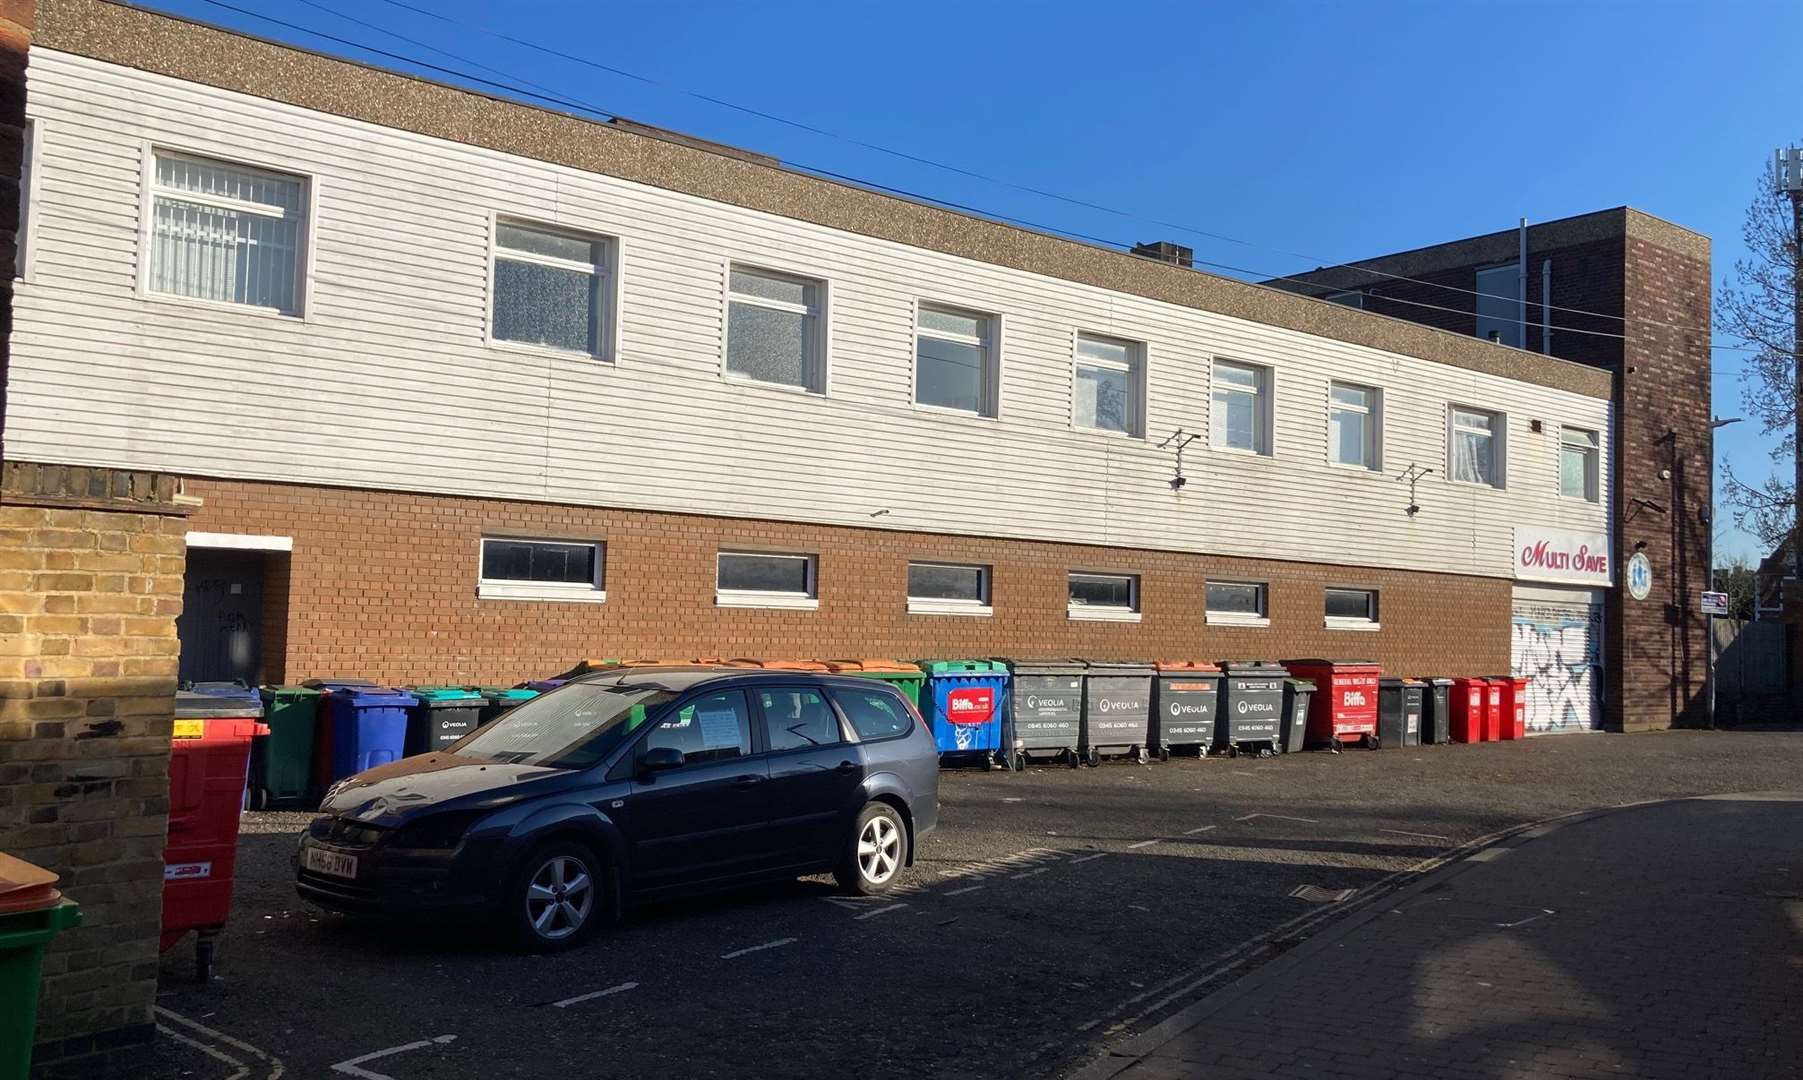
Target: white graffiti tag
[(1556, 647)]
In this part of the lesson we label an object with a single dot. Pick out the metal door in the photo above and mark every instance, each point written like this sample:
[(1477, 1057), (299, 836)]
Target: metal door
[(1558, 647), (220, 626)]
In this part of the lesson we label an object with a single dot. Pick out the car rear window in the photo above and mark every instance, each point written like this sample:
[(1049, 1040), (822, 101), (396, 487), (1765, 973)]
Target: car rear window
[(874, 714)]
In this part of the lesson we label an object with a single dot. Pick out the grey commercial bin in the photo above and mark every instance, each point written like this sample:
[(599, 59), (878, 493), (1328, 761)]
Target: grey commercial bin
[(1045, 708), (1297, 694), (1186, 698), (1436, 710), (1117, 709), (1398, 712), (1251, 706)]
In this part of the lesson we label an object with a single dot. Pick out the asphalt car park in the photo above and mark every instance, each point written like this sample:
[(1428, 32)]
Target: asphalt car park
[(1051, 912)]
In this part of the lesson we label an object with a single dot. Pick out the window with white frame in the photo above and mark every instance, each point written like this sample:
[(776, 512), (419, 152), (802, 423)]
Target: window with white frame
[(226, 233), (765, 579), (1353, 425), (1240, 415), (774, 331), (1104, 596), (1109, 390), (28, 151), (1578, 464), (1499, 304), (954, 360), (550, 288), (515, 568), (948, 589), (1242, 602), (1474, 446), (1351, 609)]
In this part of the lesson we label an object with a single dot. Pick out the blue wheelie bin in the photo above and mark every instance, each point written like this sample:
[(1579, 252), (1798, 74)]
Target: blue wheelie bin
[(966, 701), (363, 725)]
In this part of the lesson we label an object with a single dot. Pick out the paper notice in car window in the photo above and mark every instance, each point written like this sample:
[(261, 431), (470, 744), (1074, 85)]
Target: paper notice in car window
[(719, 727)]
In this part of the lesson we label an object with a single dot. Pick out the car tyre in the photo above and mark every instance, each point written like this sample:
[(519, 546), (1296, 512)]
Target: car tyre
[(876, 853), (558, 899)]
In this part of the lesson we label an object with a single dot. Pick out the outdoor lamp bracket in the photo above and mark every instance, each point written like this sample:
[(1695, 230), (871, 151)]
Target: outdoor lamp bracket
[(1179, 439), (1413, 474)]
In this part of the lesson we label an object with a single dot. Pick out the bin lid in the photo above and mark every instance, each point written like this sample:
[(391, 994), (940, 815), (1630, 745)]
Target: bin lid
[(329, 685), (1254, 667), (219, 686), (509, 693), (446, 697), (541, 685), (1435, 680), (24, 886), (963, 667), (366, 694), (873, 667), (191, 705), (1044, 665), (1194, 667), (238, 694), (778, 665), (1300, 685), (270, 692), (1119, 667), (1334, 664)]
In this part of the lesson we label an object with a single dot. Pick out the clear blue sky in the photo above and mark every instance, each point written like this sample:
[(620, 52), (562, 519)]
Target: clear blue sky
[(1333, 130)]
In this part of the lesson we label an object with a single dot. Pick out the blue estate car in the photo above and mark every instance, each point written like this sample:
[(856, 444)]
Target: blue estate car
[(627, 785)]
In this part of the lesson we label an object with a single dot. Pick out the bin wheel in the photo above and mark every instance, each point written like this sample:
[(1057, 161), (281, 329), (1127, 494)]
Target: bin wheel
[(1073, 758), (1095, 757), (1373, 742), (1164, 753), (1233, 751), (988, 762), (1141, 755), (1334, 744), (204, 953), (1017, 762), (259, 798)]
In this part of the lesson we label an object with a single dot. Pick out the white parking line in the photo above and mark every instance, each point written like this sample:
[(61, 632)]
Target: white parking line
[(1144, 843), (777, 944), (965, 889), (1088, 858), (349, 1067), (878, 911), (1200, 829), (1279, 817), (1030, 873), (276, 1068), (213, 1052), (580, 998), (1422, 835)]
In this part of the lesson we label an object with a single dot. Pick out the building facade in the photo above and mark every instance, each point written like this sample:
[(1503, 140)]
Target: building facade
[(377, 377)]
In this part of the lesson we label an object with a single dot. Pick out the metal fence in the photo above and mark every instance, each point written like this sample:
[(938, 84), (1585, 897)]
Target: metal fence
[(1752, 671)]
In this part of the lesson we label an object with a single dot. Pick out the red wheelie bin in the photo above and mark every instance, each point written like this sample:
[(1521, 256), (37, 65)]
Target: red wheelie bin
[(1468, 697), (210, 751), (1514, 713), (1493, 706)]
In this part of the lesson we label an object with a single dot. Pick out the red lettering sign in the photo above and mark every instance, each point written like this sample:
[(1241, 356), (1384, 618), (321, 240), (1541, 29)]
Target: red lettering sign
[(970, 705)]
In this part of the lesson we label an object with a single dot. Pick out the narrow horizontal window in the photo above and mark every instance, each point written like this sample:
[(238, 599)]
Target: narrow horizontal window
[(948, 588), (1240, 408), (954, 360), (1352, 425), (550, 288), (1237, 599), (1351, 606), (226, 233), (1578, 464), (762, 579), (513, 568), (773, 329), (1104, 596), (1109, 388)]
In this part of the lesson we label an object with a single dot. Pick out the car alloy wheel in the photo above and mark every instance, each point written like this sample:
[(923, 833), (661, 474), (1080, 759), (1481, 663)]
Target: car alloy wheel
[(560, 895), (879, 849)]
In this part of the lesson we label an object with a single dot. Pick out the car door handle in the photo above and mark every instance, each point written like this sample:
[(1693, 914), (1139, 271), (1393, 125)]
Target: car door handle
[(846, 767), (747, 780)]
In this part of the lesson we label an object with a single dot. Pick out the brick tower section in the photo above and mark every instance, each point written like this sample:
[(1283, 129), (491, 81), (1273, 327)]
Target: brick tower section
[(1658, 647)]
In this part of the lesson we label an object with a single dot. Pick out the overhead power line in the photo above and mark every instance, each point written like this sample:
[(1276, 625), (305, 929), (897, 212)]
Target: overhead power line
[(520, 86)]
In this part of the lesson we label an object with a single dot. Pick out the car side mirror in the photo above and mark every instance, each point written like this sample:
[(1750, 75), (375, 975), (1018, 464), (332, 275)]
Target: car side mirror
[(659, 759)]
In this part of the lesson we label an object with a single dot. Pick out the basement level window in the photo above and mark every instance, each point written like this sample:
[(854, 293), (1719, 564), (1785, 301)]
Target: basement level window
[(1104, 596), (1238, 603), (1351, 609), (521, 569), (948, 589), (766, 579)]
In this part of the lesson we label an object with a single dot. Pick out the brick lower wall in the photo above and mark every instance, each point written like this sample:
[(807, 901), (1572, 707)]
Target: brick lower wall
[(383, 585), (91, 565)]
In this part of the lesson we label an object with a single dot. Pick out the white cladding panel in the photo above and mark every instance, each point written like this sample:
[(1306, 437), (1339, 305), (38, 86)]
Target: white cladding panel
[(388, 381)]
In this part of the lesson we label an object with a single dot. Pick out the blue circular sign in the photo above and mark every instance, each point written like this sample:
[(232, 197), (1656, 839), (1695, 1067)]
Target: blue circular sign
[(1640, 576)]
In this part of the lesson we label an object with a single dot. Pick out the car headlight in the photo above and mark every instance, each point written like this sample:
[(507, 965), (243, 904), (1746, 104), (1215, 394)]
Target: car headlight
[(436, 831)]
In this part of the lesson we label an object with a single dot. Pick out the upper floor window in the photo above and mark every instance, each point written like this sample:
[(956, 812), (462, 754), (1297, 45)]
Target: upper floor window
[(1473, 449), (520, 569), (1578, 473), (550, 288), (954, 360), (774, 330), (226, 232), (1240, 417), (1499, 304), (1352, 425), (28, 153), (1109, 390)]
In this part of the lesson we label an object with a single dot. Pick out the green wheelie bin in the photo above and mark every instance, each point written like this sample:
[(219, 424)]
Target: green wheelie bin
[(906, 677), (281, 762), (32, 912)]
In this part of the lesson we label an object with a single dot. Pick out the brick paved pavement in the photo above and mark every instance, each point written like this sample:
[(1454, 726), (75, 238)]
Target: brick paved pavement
[(1656, 941)]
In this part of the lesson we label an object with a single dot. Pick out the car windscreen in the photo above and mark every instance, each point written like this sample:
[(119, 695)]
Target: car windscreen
[(572, 727)]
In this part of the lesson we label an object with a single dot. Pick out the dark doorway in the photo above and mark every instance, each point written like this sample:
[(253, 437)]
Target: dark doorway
[(222, 616)]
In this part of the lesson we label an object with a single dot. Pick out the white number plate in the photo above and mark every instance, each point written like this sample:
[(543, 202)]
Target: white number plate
[(330, 862)]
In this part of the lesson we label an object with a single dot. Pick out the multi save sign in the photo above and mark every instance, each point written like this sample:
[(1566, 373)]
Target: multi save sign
[(1556, 555)]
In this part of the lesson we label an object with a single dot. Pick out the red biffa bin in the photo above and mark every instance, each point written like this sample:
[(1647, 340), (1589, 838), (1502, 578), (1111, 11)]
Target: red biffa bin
[(1345, 703), (1514, 712), (209, 753), (1468, 697)]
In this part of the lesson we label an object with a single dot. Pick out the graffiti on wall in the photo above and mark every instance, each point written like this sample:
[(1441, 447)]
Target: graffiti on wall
[(1558, 648)]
